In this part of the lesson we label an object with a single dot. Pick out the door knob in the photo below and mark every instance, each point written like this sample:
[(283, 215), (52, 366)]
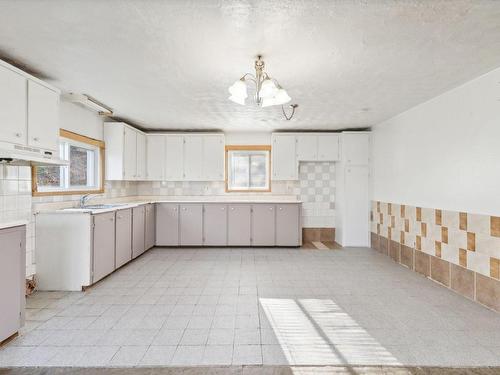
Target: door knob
[(18, 135), (36, 139)]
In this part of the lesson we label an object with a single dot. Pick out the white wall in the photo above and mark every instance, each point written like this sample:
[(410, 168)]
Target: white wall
[(78, 119), (444, 153)]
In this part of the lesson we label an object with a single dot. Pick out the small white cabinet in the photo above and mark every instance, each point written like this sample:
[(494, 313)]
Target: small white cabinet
[(174, 155), (193, 158), (167, 224), (150, 226), (123, 246), (356, 148), (318, 147), (155, 157), (284, 166), (191, 224), (288, 225), (328, 147), (103, 249), (307, 147), (13, 102), (215, 224), (213, 157), (125, 152), (138, 231), (239, 221)]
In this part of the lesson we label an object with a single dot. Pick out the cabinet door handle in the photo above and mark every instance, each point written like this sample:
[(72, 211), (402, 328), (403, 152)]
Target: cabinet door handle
[(281, 208), (36, 139), (18, 135), (232, 208), (222, 208), (270, 208), (184, 208)]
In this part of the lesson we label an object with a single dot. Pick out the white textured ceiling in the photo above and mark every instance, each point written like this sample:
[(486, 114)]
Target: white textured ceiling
[(167, 64)]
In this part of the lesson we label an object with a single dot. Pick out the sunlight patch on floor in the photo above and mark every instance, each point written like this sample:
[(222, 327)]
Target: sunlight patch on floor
[(319, 332)]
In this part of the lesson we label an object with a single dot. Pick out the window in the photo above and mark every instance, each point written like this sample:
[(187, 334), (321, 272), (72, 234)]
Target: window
[(84, 173), (248, 168)]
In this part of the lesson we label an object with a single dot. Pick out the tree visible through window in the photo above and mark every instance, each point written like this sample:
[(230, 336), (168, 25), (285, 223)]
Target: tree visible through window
[(82, 174), (248, 168)]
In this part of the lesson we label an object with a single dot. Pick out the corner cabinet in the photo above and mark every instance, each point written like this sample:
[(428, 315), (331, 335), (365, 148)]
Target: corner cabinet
[(125, 152)]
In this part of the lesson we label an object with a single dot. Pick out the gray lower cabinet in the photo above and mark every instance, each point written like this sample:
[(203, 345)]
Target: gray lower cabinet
[(12, 280), (215, 224), (191, 224), (288, 225), (150, 226), (138, 231), (263, 224), (103, 250), (239, 225), (167, 224), (123, 245)]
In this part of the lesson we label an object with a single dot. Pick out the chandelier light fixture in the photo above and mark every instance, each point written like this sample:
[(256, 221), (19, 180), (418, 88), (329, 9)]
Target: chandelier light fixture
[(268, 91)]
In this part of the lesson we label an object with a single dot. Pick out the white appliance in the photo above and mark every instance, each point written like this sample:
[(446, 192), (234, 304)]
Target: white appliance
[(25, 155)]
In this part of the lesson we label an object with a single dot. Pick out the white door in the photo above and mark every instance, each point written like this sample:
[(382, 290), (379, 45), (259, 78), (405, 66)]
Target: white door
[(155, 157), (213, 158), (43, 117), (357, 223), (284, 158), (328, 147), (141, 156), (356, 148), (174, 157), (193, 158), (12, 107), (307, 147), (129, 154)]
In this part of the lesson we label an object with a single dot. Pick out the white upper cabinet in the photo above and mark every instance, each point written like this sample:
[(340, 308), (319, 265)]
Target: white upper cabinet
[(141, 156), (356, 148), (174, 167), (29, 111), (193, 158), (43, 117), (129, 153), (125, 152), (213, 157), (13, 100), (328, 147), (155, 157), (284, 164), (307, 147)]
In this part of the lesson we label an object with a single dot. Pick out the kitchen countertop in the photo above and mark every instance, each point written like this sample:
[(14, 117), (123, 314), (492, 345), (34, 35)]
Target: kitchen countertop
[(13, 223), (126, 205)]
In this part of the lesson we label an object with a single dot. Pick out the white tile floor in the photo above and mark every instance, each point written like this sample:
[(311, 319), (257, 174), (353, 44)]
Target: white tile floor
[(182, 307)]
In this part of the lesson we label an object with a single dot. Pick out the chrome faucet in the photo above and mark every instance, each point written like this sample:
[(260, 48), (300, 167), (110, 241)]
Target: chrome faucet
[(84, 199)]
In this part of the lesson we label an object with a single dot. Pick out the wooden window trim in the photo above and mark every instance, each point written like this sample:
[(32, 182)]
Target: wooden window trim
[(246, 148), (82, 139)]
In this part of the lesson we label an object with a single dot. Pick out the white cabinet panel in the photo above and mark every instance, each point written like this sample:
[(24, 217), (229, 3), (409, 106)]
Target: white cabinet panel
[(263, 224), (129, 153), (141, 156), (213, 158), (239, 223), (150, 226), (174, 168), (328, 147), (288, 225), (191, 224), (284, 158), (215, 224), (104, 245), (193, 157), (356, 218), (307, 147), (167, 224), (12, 106), (356, 148), (123, 252), (43, 117), (155, 157), (138, 226)]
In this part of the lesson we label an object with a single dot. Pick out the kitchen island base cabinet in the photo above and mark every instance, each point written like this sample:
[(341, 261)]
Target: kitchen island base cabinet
[(138, 227), (123, 237), (215, 225), (239, 225), (191, 224), (167, 224), (103, 245), (288, 225), (12, 280), (263, 225)]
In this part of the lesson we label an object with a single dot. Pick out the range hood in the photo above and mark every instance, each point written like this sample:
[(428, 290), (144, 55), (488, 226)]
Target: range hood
[(28, 156)]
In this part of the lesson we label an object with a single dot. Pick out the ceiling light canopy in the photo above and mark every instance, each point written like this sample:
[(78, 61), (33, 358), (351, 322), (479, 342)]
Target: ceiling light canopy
[(268, 91)]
